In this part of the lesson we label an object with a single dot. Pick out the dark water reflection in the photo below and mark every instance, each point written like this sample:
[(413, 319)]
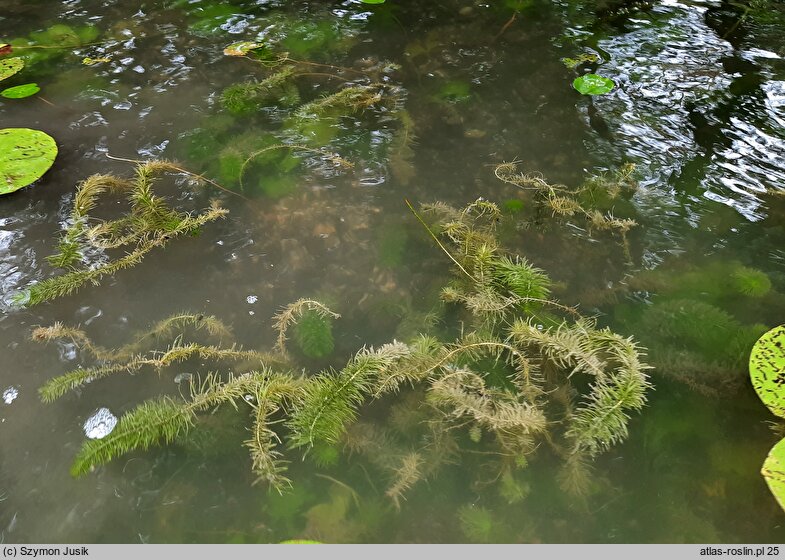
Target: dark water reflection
[(699, 107)]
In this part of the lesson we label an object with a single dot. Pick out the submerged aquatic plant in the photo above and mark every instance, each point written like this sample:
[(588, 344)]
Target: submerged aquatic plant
[(525, 371), (695, 320), (150, 223), (592, 200), (268, 159)]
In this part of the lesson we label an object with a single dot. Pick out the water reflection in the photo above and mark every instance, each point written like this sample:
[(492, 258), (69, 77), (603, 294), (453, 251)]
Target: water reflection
[(692, 113)]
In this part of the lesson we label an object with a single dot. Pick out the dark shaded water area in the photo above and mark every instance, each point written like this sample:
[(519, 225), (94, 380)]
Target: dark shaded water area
[(698, 108)]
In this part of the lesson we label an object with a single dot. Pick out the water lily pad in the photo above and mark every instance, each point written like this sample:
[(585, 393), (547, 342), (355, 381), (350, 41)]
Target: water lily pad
[(241, 48), (18, 92), (767, 369), (773, 471), (25, 155), (593, 84), (10, 66)]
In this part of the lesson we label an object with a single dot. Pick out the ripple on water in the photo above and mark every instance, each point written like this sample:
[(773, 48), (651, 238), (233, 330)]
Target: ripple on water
[(676, 113)]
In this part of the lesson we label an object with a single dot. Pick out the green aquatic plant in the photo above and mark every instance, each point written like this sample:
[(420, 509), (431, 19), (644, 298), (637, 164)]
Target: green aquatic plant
[(391, 239), (150, 223), (582, 58), (479, 525), (585, 200), (717, 281), (20, 91), (349, 99), (308, 38), (401, 150), (750, 282), (464, 396), (314, 334), (767, 371), (10, 66), (454, 92), (249, 97), (593, 84), (693, 324), (523, 373), (695, 320), (25, 155), (47, 47), (136, 355)]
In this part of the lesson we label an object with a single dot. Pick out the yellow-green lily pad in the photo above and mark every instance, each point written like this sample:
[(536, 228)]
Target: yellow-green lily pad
[(774, 472), (767, 369), (25, 155), (10, 66)]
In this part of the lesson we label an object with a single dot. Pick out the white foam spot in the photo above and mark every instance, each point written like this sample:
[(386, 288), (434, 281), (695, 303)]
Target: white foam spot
[(100, 424)]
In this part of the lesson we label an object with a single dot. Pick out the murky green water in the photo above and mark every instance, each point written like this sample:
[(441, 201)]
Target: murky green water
[(699, 108)]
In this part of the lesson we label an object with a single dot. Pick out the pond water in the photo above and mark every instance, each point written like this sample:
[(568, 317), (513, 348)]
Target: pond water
[(698, 108)]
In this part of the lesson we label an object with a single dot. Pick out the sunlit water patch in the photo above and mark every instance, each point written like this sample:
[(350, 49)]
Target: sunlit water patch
[(696, 111)]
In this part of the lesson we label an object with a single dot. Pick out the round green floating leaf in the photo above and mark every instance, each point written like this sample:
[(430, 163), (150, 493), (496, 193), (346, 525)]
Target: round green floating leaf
[(18, 92), (773, 471), (593, 84), (25, 155), (10, 66), (767, 369)]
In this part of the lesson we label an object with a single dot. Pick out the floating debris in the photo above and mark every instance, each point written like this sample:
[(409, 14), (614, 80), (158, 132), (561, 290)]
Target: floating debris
[(180, 377)]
